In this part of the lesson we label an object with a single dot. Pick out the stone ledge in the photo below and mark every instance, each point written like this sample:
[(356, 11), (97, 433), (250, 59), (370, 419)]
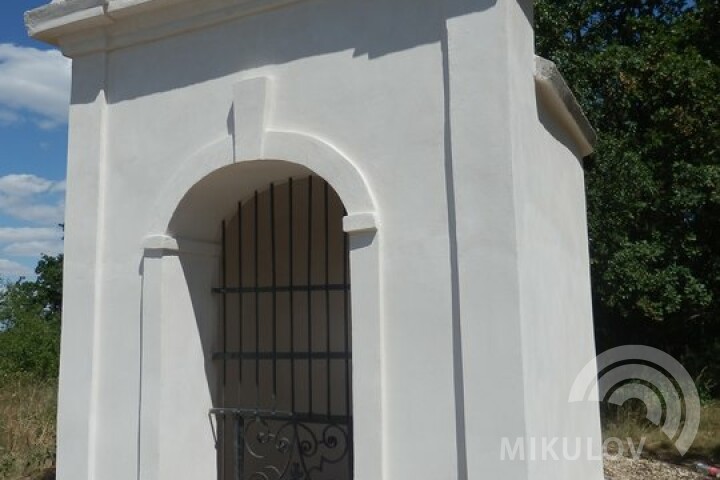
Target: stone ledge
[(164, 245), (49, 22), (71, 23), (360, 223), (556, 92)]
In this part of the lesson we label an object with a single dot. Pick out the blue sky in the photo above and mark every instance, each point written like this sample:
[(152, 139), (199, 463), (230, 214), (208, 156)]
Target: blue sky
[(34, 97)]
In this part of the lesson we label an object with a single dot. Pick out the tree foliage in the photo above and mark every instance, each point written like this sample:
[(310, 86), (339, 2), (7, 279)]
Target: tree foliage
[(30, 323), (647, 75)]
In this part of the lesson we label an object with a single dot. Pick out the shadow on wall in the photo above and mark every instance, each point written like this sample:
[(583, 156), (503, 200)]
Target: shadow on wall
[(205, 55), (554, 128), (201, 274), (199, 216)]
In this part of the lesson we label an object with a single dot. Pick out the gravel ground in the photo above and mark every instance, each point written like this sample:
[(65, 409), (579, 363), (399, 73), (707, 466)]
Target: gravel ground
[(622, 468)]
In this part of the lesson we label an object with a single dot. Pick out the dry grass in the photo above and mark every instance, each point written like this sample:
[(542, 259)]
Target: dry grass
[(27, 429), (27, 432), (628, 423)]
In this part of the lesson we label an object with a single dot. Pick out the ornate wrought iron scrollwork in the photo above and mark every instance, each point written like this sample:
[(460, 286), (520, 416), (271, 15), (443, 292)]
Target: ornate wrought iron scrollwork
[(290, 448)]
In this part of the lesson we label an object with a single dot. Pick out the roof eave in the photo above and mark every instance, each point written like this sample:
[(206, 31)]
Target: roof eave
[(558, 96)]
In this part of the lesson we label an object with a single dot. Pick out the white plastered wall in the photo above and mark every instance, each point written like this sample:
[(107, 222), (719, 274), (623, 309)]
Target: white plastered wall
[(422, 115)]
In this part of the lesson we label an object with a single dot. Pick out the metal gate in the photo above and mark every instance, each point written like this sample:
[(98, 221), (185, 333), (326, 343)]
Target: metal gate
[(284, 359)]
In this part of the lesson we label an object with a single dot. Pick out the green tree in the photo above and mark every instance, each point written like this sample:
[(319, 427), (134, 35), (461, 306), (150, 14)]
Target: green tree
[(30, 323), (647, 74)]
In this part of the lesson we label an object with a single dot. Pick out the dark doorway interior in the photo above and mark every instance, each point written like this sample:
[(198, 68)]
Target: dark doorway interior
[(284, 353)]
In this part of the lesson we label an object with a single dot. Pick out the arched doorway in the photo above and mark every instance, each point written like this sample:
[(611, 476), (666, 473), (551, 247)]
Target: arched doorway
[(283, 352), (182, 315)]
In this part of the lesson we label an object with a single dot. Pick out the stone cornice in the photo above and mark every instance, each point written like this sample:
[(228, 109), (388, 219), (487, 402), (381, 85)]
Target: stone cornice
[(557, 95), (84, 26)]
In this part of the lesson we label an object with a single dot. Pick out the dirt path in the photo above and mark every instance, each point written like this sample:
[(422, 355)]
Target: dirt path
[(623, 468)]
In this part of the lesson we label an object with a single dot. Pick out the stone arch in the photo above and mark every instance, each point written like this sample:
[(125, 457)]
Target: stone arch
[(180, 266), (290, 152)]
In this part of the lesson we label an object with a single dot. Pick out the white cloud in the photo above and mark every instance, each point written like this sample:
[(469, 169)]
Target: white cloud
[(9, 268), (58, 186), (32, 198), (36, 213), (29, 234), (24, 185), (34, 83), (8, 117), (24, 243), (33, 248)]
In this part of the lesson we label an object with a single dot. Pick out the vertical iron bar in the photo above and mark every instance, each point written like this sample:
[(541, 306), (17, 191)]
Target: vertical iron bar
[(241, 319), (224, 307), (257, 308), (292, 295), (346, 322), (274, 291), (309, 298), (220, 448), (239, 447), (222, 428), (327, 296)]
